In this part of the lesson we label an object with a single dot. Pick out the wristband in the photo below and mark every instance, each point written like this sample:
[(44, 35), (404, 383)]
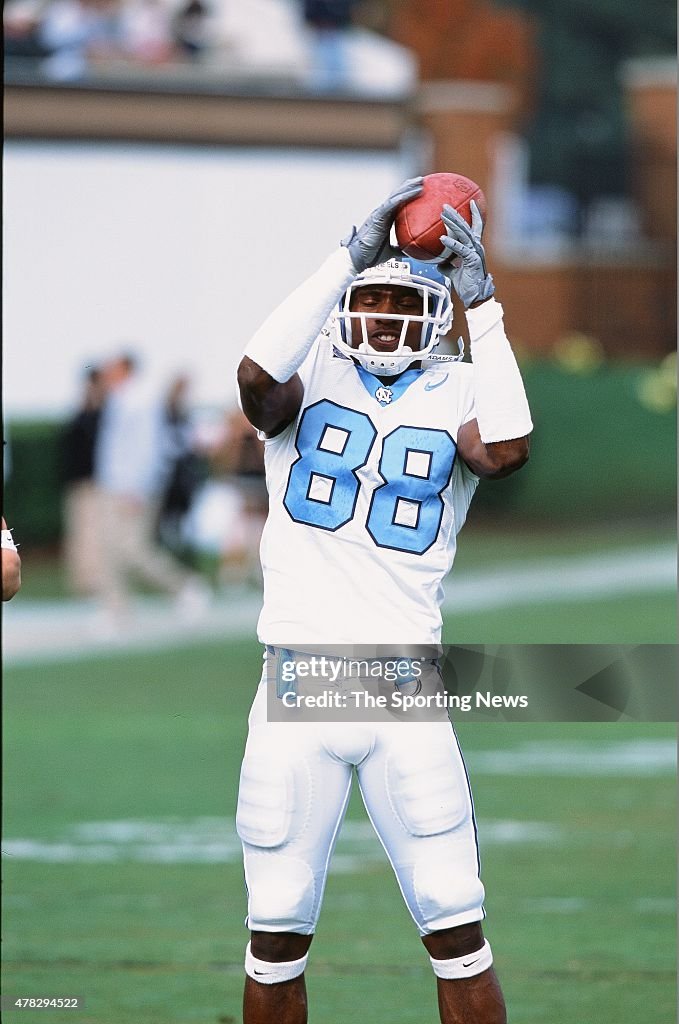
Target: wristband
[(502, 411), (8, 541), (284, 340)]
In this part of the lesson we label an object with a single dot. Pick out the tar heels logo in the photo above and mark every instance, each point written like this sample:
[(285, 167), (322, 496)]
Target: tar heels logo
[(384, 395)]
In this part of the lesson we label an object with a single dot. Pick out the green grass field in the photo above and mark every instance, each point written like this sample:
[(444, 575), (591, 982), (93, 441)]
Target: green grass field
[(122, 874), (123, 883), (480, 547)]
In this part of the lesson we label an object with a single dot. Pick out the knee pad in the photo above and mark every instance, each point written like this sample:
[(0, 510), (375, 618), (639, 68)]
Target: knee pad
[(446, 885), (282, 892), (464, 966), (267, 973)]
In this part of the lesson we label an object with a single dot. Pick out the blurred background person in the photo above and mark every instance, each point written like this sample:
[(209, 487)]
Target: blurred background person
[(21, 20), (146, 32), (191, 29), (72, 32), (241, 459), (228, 514), (186, 468), (328, 21), (130, 468), (82, 535), (11, 564)]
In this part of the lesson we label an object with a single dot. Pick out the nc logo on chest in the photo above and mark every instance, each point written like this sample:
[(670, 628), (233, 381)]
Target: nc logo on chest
[(384, 395)]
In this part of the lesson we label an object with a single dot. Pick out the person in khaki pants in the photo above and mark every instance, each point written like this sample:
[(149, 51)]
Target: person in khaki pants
[(82, 533), (130, 469)]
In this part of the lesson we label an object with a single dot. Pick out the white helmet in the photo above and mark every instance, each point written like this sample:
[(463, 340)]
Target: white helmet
[(436, 316)]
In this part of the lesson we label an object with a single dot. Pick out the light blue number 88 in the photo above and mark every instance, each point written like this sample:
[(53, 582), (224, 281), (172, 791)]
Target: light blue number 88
[(333, 442), (406, 510)]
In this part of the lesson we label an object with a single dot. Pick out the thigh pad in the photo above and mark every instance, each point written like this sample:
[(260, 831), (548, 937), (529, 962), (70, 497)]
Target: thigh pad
[(427, 786), (271, 801)]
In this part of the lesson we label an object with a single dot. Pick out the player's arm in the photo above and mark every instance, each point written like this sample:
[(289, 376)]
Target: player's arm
[(11, 565), (271, 390), (270, 405), (495, 459), (495, 443), (270, 387)]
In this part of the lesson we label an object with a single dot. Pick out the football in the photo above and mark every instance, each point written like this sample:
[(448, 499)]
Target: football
[(418, 223)]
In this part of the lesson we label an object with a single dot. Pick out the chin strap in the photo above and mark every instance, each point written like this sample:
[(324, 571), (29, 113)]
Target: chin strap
[(381, 364)]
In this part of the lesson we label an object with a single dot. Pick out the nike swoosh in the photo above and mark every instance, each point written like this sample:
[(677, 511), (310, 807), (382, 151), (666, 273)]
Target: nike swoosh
[(471, 962), (430, 385)]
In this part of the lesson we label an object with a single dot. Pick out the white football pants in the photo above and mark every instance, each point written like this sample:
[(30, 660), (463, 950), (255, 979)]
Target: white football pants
[(294, 788)]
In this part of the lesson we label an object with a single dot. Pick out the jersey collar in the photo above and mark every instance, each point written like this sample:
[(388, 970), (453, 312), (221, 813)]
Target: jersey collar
[(386, 394)]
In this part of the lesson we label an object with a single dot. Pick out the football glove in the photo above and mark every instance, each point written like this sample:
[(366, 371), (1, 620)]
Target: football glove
[(369, 244), (464, 259)]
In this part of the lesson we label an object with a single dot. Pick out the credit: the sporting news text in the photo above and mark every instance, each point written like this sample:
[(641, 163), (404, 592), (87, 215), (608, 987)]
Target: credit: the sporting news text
[(480, 682), (362, 700), (404, 676)]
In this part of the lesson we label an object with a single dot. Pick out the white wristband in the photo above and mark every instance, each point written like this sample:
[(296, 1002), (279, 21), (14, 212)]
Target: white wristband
[(8, 541), (282, 343), (502, 411)]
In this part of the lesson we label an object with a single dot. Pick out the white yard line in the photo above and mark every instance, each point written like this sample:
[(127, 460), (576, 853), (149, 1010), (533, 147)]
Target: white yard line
[(635, 571), (214, 841), (42, 631)]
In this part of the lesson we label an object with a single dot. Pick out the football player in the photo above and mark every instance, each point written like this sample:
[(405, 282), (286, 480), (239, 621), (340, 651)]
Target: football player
[(373, 448), (11, 565)]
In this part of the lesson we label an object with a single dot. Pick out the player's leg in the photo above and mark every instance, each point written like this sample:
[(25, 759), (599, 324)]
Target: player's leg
[(416, 792), (274, 956), (291, 803), (465, 998)]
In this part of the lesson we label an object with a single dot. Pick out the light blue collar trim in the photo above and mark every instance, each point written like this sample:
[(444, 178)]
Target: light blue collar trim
[(385, 394)]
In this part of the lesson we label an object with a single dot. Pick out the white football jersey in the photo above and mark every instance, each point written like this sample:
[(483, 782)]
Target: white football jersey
[(366, 496)]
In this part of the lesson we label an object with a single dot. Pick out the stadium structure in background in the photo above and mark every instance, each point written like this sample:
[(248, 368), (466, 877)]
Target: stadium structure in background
[(472, 111)]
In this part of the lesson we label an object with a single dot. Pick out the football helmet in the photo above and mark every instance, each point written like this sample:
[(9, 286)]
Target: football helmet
[(436, 316)]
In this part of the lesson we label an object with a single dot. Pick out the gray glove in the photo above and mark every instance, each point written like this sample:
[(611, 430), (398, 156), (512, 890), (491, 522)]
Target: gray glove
[(464, 260), (369, 244)]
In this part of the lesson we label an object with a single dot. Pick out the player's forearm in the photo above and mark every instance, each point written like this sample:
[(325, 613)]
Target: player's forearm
[(494, 460), (282, 343), (269, 405), (500, 399)]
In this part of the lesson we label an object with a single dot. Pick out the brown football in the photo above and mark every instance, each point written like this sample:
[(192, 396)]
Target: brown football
[(418, 223)]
